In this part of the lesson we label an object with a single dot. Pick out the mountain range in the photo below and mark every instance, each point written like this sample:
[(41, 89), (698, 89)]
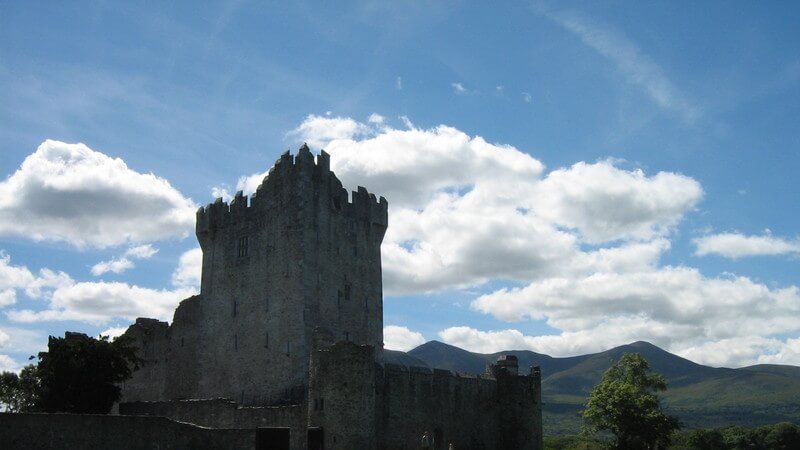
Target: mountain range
[(700, 396)]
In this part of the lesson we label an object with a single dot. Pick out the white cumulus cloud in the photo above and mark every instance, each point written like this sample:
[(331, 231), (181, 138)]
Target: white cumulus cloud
[(71, 193), (788, 352), (102, 302), (12, 278), (401, 338), (15, 278), (4, 338), (189, 270), (318, 129), (115, 266), (123, 263), (605, 203), (113, 332), (7, 364), (145, 251), (737, 245), (674, 307), (22, 340), (376, 118)]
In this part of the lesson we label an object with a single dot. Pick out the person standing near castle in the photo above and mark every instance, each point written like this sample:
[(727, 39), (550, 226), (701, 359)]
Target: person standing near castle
[(427, 441)]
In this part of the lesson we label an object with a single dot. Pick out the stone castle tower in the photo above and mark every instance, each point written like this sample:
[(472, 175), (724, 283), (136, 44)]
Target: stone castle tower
[(294, 267), (286, 335)]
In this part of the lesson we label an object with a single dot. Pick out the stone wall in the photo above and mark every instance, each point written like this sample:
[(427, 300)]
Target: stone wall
[(223, 413), (365, 405), (454, 409), (88, 432), (491, 412), (342, 396)]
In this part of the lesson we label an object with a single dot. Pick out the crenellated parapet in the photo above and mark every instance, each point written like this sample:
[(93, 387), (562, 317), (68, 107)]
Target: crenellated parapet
[(519, 399), (293, 181)]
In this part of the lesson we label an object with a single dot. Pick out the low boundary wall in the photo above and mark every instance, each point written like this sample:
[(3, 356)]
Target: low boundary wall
[(22, 431)]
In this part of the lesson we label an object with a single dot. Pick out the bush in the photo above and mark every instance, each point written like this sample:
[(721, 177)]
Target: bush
[(574, 443), (781, 436)]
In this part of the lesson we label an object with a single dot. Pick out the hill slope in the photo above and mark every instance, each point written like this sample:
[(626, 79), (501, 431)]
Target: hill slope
[(402, 359), (701, 396)]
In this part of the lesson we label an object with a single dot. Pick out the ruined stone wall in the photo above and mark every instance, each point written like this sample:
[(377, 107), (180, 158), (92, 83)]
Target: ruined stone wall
[(365, 405), (219, 413), (223, 413), (476, 413), (519, 411), (169, 353), (183, 350), (295, 265), (151, 337), (454, 409), (19, 431), (342, 396)]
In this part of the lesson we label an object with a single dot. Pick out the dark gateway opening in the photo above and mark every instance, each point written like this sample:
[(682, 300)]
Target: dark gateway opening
[(316, 439), (272, 439)]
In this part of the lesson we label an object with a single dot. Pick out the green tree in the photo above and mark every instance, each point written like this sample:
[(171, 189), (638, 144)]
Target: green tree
[(9, 391), (782, 436), (18, 393), (740, 438), (700, 439), (574, 443), (626, 404), (80, 374)]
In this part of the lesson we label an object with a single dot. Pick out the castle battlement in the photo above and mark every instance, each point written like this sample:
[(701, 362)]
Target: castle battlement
[(294, 180)]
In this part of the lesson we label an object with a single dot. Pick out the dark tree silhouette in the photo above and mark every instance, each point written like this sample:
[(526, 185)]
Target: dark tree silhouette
[(18, 393), (625, 403), (706, 440), (80, 374)]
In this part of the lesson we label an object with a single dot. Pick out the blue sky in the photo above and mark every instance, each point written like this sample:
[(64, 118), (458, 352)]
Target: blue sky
[(662, 133)]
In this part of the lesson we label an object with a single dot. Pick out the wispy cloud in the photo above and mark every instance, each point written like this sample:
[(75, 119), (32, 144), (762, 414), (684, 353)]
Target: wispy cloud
[(123, 263), (637, 67), (459, 88), (737, 245)]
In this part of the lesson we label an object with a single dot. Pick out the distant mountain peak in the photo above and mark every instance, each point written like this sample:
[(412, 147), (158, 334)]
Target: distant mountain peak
[(434, 343), (644, 344)]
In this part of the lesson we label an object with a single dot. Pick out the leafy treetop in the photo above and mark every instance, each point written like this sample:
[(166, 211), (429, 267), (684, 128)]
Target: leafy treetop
[(81, 374), (625, 403)]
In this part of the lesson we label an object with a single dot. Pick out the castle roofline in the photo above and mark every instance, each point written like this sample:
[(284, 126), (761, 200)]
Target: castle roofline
[(285, 174)]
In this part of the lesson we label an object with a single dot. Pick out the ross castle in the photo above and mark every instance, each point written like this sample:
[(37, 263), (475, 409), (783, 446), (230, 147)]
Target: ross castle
[(286, 335)]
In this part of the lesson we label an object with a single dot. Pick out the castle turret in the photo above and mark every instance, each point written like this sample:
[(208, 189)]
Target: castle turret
[(519, 405), (508, 363), (296, 256)]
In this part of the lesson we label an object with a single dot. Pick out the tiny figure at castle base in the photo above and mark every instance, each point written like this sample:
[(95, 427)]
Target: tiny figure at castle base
[(427, 441)]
